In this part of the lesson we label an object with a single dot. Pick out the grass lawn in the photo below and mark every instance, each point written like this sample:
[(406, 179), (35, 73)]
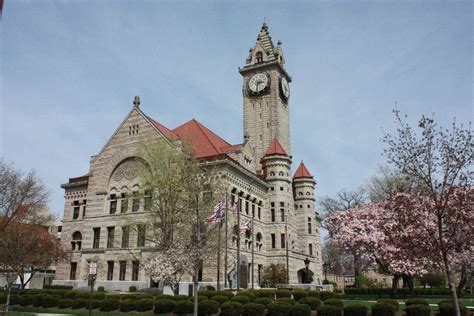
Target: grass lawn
[(433, 303), (27, 310)]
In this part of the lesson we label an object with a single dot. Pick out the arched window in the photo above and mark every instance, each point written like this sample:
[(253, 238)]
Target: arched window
[(281, 173), (272, 174), (247, 234), (259, 57), (259, 237), (300, 193), (76, 242)]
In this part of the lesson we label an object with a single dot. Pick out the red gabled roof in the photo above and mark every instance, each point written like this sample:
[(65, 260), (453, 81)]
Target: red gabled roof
[(275, 148), (302, 172), (201, 140), (163, 129)]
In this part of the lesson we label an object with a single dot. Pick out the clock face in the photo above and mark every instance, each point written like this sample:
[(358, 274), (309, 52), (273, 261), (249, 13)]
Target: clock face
[(258, 82), (285, 88)]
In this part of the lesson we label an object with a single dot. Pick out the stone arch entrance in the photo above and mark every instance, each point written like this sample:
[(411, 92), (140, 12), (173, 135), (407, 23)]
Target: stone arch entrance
[(305, 276)]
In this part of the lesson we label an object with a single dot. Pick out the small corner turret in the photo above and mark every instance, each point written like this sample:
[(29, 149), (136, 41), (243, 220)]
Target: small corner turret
[(264, 51)]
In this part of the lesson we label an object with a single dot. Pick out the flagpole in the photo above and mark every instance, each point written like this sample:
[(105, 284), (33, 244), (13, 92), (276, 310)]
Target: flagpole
[(225, 255), (287, 256), (219, 256), (238, 242), (253, 250)]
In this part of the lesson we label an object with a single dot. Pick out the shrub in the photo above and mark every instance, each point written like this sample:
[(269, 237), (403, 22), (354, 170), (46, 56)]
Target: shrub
[(14, 299), (334, 301), (183, 307), (312, 293), (144, 305), (78, 303), (251, 295), (283, 294), (180, 298), (266, 293), (447, 309), (101, 289), (132, 288), (389, 301), (416, 301), (127, 305), (109, 305), (229, 294), (83, 294), (326, 295), (253, 309), (279, 309), (24, 300), (300, 310), (418, 310), (164, 297), (206, 293), (95, 304), (37, 300), (312, 302), (263, 300), (3, 299), (164, 306), (383, 309), (65, 303), (70, 295), (286, 300), (50, 301), (201, 298), (113, 297), (329, 310), (210, 288), (220, 298), (355, 310), (238, 307), (241, 299), (58, 287), (208, 307), (227, 309), (98, 296), (299, 294)]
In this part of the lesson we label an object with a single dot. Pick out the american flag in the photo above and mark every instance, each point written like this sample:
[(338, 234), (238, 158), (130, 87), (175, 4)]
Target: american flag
[(219, 213), (235, 207), (246, 226), (219, 207)]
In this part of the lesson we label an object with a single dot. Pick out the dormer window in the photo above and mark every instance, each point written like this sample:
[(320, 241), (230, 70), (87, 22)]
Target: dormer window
[(259, 57)]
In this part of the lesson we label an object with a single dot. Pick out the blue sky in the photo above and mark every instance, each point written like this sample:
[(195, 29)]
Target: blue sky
[(70, 70)]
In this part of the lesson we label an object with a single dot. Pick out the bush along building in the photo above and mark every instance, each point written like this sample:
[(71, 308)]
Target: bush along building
[(257, 172)]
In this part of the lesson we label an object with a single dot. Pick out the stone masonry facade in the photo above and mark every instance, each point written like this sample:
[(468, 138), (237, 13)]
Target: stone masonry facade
[(101, 205)]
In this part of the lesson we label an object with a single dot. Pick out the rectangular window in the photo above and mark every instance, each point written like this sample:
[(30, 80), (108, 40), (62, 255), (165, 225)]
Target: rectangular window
[(123, 270), (273, 241), (125, 236), (60, 229), (84, 208), (75, 211), (247, 207), (96, 240), (72, 274), (282, 204), (124, 203), (148, 200), (259, 213), (135, 202), (141, 236), (110, 237), (309, 228), (110, 270), (272, 213), (253, 210), (135, 269), (113, 204), (282, 214), (310, 249), (282, 238)]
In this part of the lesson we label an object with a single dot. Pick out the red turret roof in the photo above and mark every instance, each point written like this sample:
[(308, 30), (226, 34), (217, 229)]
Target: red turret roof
[(302, 172), (275, 148)]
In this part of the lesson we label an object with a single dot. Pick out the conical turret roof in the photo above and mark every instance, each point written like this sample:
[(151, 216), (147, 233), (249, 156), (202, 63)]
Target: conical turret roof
[(275, 148), (302, 172)]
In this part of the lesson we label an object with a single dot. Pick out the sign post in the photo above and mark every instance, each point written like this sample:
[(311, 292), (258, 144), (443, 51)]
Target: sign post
[(92, 278)]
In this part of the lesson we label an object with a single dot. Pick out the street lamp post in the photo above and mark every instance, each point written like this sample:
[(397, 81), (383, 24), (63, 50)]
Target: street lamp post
[(325, 267)]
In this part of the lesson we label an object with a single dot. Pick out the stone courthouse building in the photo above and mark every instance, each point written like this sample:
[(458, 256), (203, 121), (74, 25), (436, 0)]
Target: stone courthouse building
[(100, 205)]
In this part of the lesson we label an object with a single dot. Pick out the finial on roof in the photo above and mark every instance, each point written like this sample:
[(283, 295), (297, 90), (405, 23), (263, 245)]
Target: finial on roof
[(136, 101), (279, 43)]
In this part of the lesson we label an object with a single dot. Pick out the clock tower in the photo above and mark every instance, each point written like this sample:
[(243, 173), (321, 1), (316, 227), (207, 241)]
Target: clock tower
[(266, 95)]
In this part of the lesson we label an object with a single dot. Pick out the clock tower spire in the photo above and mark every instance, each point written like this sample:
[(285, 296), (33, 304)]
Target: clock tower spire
[(266, 95)]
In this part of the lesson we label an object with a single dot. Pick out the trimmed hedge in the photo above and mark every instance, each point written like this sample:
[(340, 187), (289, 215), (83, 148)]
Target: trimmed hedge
[(132, 288), (355, 310), (253, 309), (299, 294), (316, 294), (201, 298), (78, 303), (98, 296), (266, 293), (329, 310), (50, 301), (334, 301), (283, 294), (108, 305), (101, 289), (300, 310), (241, 299), (70, 295), (128, 305), (164, 306), (447, 309), (403, 292), (24, 300), (95, 304), (180, 298), (14, 299), (65, 303), (252, 296), (220, 298), (286, 300), (263, 300), (164, 297), (389, 301), (144, 305), (207, 293), (327, 295), (238, 307), (183, 307), (229, 294), (416, 301), (418, 310), (208, 307), (383, 309), (279, 309), (37, 300), (312, 302), (58, 287), (227, 309)]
